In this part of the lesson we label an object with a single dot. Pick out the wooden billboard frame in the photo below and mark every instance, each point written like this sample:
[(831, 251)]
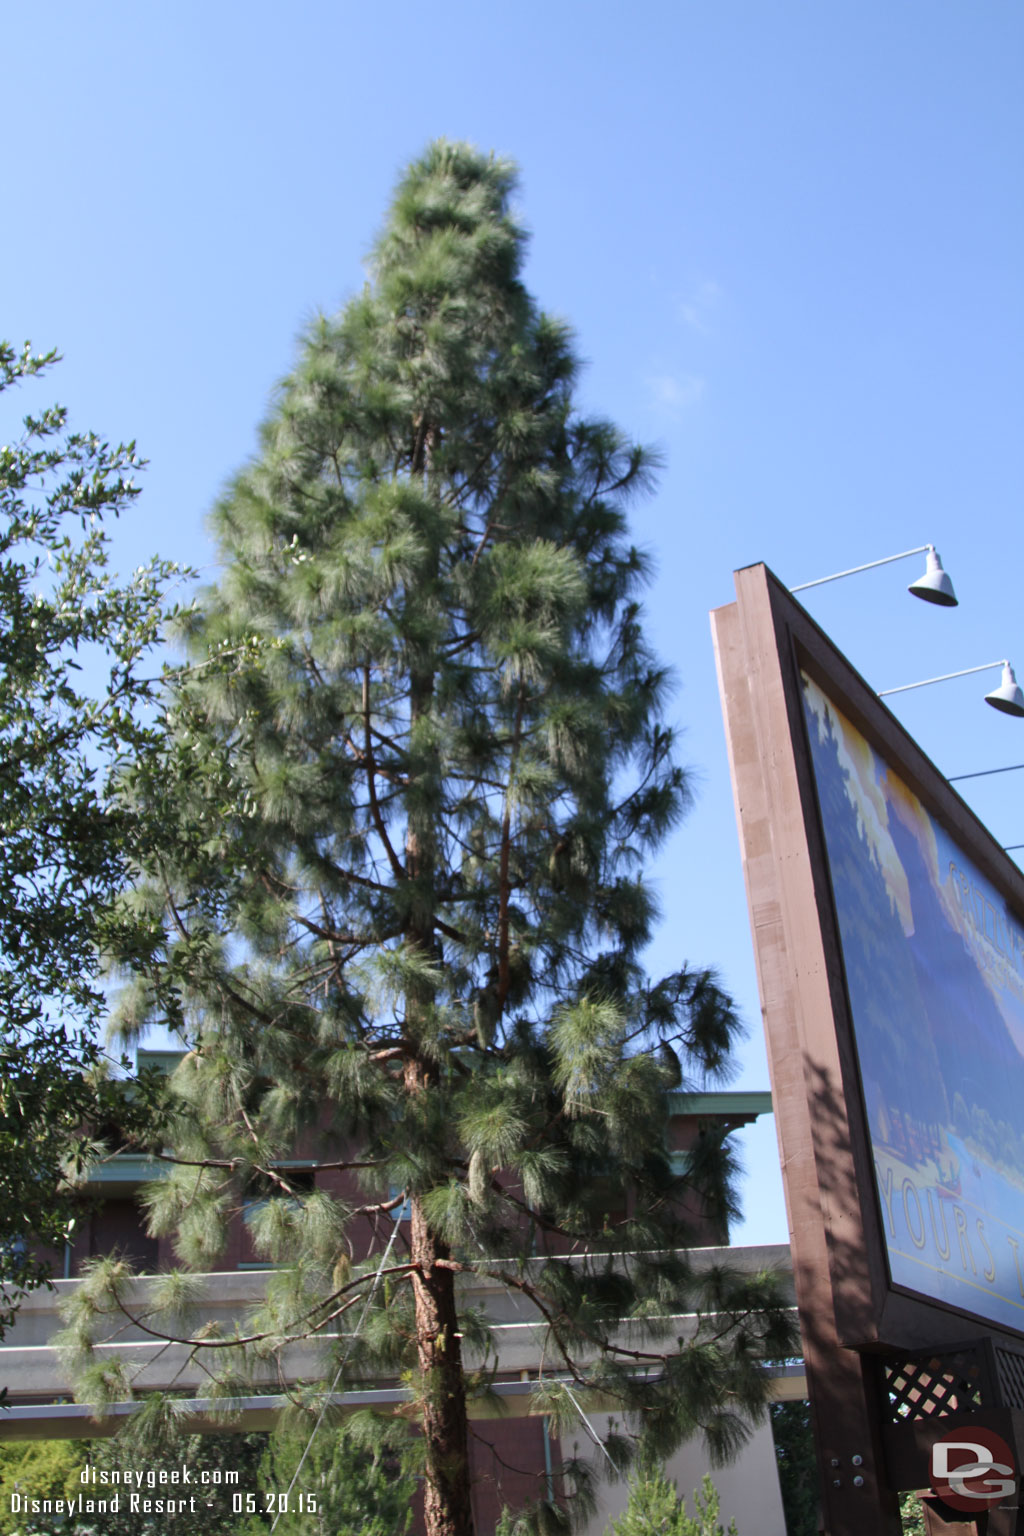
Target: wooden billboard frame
[(851, 1314)]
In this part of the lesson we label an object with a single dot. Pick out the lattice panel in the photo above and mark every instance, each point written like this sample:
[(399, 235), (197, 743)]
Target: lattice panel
[(1010, 1367), (935, 1386)]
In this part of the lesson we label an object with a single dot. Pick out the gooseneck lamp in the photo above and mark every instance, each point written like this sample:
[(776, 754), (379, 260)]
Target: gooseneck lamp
[(933, 587), (1007, 698)]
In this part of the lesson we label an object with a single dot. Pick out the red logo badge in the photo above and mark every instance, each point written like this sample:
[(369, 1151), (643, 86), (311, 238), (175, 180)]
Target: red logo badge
[(972, 1469)]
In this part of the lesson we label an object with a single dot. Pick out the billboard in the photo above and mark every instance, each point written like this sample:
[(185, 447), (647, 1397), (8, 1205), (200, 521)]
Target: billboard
[(888, 930), (933, 957)]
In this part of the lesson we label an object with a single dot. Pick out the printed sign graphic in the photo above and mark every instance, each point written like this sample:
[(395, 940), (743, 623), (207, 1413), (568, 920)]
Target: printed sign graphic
[(972, 1469), (934, 962)]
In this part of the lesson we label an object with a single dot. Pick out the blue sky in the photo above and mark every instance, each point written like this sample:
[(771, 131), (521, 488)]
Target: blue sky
[(790, 239)]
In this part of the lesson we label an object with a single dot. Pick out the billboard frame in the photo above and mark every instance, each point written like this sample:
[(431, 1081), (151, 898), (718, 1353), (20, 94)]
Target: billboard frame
[(850, 1311)]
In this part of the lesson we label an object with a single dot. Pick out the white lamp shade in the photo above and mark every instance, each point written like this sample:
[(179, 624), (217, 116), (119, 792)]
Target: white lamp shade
[(1008, 696), (934, 586)]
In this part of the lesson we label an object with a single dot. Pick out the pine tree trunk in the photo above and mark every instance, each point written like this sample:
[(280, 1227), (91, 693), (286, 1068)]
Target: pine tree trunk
[(445, 1429), (446, 1502), (439, 1356)]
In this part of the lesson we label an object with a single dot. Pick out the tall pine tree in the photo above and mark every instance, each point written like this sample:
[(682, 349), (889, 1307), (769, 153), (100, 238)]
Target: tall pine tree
[(413, 770)]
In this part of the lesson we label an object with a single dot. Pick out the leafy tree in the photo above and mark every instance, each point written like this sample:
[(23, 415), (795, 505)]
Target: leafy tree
[(155, 1442), (655, 1509), (912, 1515), (798, 1466), (354, 1477), (63, 841), (354, 1471), (37, 1469), (397, 909)]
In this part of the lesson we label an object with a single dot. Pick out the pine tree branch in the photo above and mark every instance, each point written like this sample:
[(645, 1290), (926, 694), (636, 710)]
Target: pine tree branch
[(219, 979), (397, 867), (230, 1164), (225, 987), (334, 936), (350, 877), (482, 545), (359, 756), (391, 1053), (528, 1210), (531, 1293), (504, 891), (450, 932), (289, 1336), (601, 1341), (460, 643)]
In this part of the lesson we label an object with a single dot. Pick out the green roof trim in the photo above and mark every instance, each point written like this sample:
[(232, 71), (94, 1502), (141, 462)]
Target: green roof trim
[(750, 1102), (753, 1102), (138, 1168), (127, 1168), (166, 1061)]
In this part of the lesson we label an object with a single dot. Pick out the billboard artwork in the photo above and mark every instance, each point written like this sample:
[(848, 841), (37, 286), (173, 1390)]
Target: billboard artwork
[(934, 963)]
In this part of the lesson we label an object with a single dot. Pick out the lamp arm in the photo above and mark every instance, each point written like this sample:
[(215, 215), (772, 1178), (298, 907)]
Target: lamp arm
[(920, 550), (965, 672)]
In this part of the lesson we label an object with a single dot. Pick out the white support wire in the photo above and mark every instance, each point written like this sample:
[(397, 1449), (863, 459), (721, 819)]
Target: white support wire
[(984, 773), (337, 1377), (591, 1431)]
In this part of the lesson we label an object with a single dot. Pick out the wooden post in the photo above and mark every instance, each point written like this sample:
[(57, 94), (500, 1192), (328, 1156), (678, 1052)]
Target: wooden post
[(786, 884)]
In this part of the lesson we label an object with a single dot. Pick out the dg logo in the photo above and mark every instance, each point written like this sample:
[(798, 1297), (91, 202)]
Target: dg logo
[(972, 1470)]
